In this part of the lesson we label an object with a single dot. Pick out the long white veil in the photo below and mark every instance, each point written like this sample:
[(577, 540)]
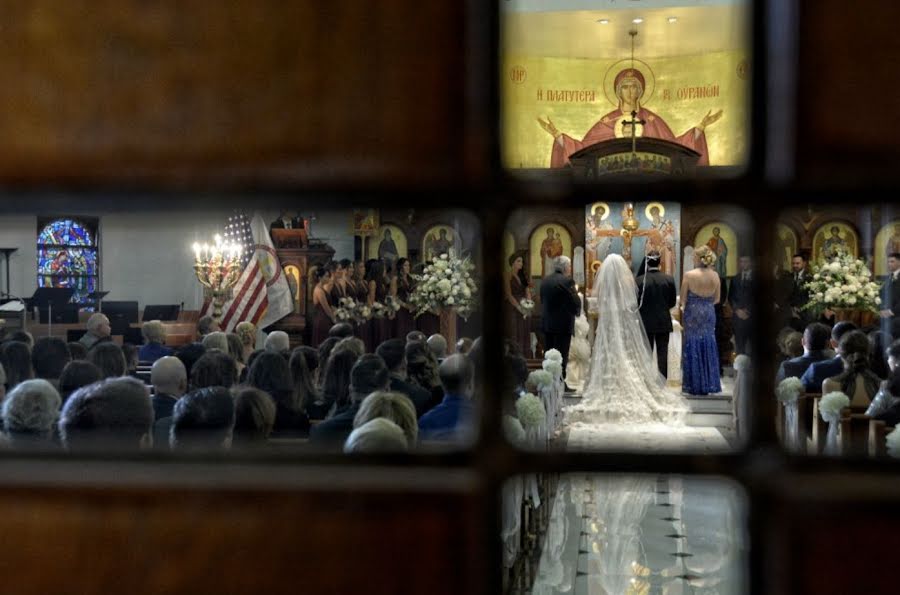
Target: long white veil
[(624, 384)]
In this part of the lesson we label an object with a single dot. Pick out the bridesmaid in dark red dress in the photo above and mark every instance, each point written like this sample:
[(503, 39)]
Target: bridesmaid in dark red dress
[(402, 286), (323, 309), (515, 290), (379, 288), (358, 289), (338, 282)]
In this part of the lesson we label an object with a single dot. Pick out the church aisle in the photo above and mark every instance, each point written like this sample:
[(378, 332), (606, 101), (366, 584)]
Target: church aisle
[(643, 534)]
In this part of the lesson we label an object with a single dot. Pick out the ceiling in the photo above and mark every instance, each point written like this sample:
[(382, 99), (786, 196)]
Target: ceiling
[(530, 27)]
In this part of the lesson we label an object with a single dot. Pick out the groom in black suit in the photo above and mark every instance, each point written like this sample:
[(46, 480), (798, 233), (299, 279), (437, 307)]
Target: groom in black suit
[(560, 305), (890, 295), (656, 295)]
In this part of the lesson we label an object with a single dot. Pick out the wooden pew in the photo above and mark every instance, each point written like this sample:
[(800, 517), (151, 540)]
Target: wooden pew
[(854, 433), (878, 431)]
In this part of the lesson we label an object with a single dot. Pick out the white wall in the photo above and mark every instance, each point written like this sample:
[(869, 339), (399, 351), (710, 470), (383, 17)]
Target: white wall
[(147, 256)]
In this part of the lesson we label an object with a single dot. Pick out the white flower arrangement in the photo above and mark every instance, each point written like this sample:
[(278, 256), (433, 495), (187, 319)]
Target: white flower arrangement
[(527, 306), (742, 363), (892, 441), (540, 379), (553, 366), (392, 303), (553, 354), (789, 390), (530, 411), (831, 404), (448, 282), (348, 310), (380, 310), (843, 282), (708, 259), (513, 430)]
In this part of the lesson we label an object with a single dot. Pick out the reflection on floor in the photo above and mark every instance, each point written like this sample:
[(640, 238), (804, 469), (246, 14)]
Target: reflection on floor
[(639, 534)]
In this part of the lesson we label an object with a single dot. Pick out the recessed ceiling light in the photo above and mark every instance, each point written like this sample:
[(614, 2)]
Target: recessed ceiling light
[(603, 21), (637, 21), (672, 19)]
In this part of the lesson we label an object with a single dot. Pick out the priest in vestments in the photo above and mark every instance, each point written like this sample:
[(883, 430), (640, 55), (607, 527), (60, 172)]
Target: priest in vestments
[(629, 85)]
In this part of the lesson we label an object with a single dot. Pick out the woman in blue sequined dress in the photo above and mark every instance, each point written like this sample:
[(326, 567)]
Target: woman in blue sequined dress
[(699, 355)]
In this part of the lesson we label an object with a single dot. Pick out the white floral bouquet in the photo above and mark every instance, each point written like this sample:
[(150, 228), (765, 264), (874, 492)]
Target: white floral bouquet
[(380, 310), (530, 411), (553, 366), (392, 303), (843, 282), (892, 441), (346, 310), (831, 404), (448, 282), (789, 390), (527, 306), (513, 430), (553, 354), (363, 312), (540, 379)]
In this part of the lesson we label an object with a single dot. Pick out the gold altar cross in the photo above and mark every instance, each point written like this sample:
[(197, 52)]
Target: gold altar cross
[(633, 122)]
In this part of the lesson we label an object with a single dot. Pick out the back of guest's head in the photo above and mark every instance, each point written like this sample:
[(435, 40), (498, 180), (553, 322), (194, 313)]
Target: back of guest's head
[(379, 435), (464, 345), (76, 374), (854, 349), (456, 374), (189, 354), (304, 386), (254, 416), (816, 336), (76, 351), (214, 368), (350, 344), (278, 341), (216, 340), (841, 329), (271, 373), (206, 325), (16, 359), (368, 375), (476, 357), (49, 356), (877, 348), (336, 378), (32, 407), (246, 331), (393, 352), (109, 358), (95, 322), (252, 357), (517, 370), (793, 345), (203, 418), (421, 366), (112, 412), (168, 376), (154, 331), (22, 337), (416, 336), (311, 354), (393, 406), (235, 347), (438, 345), (131, 357), (325, 349), (341, 330)]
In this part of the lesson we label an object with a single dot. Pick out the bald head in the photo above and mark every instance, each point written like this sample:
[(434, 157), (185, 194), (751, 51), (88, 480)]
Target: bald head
[(169, 376), (438, 345), (457, 375)]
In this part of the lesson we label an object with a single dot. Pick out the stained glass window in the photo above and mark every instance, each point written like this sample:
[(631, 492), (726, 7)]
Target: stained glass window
[(67, 256)]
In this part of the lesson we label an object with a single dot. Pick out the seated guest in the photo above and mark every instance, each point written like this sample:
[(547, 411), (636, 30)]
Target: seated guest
[(818, 372), (311, 355), (350, 344), (216, 340), (335, 394), (378, 435), (324, 352), (416, 337), (452, 419), (815, 341), (131, 359), (305, 392), (97, 328), (517, 375), (464, 345), (236, 350), (393, 352), (341, 330), (22, 337), (206, 325), (369, 375), (15, 356), (48, 358), (109, 358), (76, 374), (877, 347), (214, 368), (781, 349), (246, 332), (169, 380), (278, 342), (793, 345), (422, 371), (189, 354), (438, 346), (203, 419), (271, 373), (112, 413), (857, 381), (392, 406), (154, 342), (886, 405), (892, 354), (30, 412), (76, 350), (254, 418)]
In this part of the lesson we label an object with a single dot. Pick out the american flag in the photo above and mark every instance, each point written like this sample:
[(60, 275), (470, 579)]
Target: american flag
[(249, 297)]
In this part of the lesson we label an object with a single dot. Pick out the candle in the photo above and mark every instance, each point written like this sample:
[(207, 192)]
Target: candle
[(196, 251)]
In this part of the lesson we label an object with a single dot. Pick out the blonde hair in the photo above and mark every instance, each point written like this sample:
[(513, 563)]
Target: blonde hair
[(706, 256), (247, 332), (154, 331), (395, 407)]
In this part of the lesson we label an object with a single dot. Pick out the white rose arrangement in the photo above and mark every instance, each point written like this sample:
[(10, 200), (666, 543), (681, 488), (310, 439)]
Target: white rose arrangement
[(448, 282), (392, 304), (553, 354), (831, 404), (540, 379), (553, 366), (349, 310), (527, 306), (513, 430), (530, 411), (380, 310), (789, 390), (843, 282)]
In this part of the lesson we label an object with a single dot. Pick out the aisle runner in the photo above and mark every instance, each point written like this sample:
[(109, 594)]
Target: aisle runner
[(646, 438)]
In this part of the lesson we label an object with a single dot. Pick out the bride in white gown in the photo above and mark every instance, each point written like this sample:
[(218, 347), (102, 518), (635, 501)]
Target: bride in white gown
[(624, 385)]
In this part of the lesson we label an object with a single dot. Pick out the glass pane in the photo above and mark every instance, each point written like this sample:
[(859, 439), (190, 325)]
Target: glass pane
[(615, 89), (626, 534), (67, 261), (82, 285), (646, 323), (66, 232)]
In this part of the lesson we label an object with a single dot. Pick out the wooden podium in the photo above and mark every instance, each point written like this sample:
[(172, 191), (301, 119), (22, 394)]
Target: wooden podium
[(640, 157)]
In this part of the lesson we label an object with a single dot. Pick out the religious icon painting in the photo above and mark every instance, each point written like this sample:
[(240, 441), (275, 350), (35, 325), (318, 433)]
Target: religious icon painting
[(887, 242), (388, 244), (438, 240), (833, 238), (722, 240), (786, 245), (546, 243), (364, 222), (292, 274)]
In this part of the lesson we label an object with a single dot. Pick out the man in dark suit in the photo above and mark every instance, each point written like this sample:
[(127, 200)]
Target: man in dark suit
[(818, 372), (815, 342), (799, 296), (890, 295), (169, 379), (656, 296), (393, 352), (560, 305), (741, 296)]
